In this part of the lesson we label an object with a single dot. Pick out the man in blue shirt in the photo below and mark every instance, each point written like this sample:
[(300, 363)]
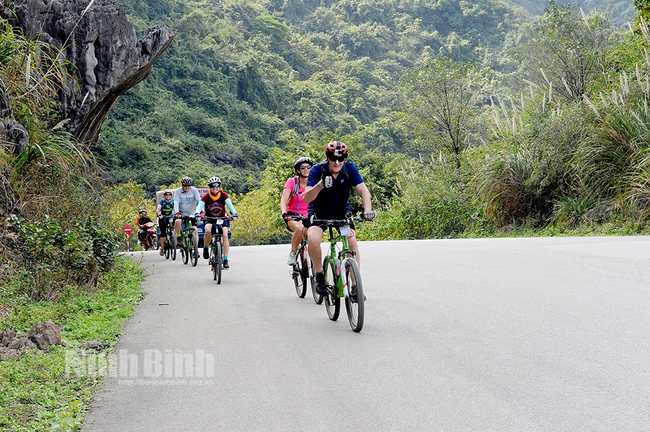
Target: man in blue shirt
[(327, 192)]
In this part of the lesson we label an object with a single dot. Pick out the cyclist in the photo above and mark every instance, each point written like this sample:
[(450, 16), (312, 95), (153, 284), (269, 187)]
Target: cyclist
[(328, 192), (213, 204), (164, 210), (186, 198), (141, 220), (292, 203)]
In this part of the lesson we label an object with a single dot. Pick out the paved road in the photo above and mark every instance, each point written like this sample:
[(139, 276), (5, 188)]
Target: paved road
[(544, 334)]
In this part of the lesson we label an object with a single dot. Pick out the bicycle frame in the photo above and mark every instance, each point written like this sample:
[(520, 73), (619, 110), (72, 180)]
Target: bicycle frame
[(187, 230), (339, 257)]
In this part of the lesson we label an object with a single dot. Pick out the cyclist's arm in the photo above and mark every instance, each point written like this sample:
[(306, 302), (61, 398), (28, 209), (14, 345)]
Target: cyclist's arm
[(200, 207), (284, 200), (230, 206), (311, 192), (366, 198), (177, 199), (313, 185)]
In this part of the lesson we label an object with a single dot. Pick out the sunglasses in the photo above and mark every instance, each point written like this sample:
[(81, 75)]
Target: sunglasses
[(337, 158), (305, 167), (215, 186), (168, 194)]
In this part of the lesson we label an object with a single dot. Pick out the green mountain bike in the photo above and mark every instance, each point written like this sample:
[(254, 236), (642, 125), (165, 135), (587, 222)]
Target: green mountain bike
[(189, 241), (342, 276)]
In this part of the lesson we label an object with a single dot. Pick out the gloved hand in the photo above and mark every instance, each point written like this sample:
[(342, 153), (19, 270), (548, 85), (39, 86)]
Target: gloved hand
[(326, 181), (235, 216), (286, 216), (202, 213), (178, 214), (369, 215)]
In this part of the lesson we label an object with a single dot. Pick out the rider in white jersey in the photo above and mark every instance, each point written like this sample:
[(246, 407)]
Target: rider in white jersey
[(186, 198)]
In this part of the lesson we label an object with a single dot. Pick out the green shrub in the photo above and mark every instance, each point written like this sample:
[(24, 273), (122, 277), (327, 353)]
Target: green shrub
[(52, 258)]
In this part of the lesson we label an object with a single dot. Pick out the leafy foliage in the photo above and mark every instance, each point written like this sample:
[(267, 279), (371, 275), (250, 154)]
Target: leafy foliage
[(561, 53), (38, 390), (443, 96), (52, 258)]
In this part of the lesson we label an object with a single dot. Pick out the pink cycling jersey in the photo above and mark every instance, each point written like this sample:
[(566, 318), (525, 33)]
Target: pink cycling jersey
[(296, 204)]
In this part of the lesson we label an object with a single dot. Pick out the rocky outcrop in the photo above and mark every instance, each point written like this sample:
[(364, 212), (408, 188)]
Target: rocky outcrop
[(41, 337), (45, 334), (98, 39)]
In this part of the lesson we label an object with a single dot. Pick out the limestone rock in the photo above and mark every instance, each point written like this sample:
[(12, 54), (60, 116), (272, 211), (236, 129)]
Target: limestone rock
[(6, 337), (98, 39), (45, 334), (21, 343)]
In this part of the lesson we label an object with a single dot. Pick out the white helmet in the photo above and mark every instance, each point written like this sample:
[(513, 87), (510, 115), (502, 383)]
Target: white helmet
[(213, 180)]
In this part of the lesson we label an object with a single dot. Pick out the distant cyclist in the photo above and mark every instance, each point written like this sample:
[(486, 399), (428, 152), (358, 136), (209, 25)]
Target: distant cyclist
[(186, 198), (214, 204), (142, 220), (292, 203), (328, 191), (164, 210)]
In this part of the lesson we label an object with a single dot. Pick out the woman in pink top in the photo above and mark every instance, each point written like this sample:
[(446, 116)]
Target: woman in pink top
[(292, 204)]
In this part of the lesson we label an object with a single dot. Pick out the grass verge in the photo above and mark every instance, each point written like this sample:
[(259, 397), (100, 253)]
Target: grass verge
[(40, 391)]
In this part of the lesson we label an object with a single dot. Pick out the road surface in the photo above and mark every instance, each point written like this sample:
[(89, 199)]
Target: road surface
[(535, 334)]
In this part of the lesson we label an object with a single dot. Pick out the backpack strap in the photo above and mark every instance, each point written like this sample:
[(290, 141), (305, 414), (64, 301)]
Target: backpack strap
[(296, 186)]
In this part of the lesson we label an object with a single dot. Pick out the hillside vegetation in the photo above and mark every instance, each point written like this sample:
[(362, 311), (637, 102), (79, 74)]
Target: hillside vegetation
[(247, 87)]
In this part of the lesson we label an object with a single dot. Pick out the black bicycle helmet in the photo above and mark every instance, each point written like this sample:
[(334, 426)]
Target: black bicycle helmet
[(187, 181), (302, 160)]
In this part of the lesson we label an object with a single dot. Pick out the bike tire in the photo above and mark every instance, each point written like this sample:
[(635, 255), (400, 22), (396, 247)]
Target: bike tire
[(185, 250), (331, 300), (298, 275), (174, 245), (168, 250), (318, 299), (217, 265), (194, 251), (354, 298)]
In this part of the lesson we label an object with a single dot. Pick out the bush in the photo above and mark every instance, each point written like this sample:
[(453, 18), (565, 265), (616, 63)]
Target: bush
[(52, 258)]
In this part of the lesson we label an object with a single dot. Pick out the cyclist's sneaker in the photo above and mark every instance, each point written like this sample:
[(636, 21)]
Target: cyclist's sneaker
[(225, 264), (353, 294), (206, 253), (320, 284), (292, 258), (162, 252)]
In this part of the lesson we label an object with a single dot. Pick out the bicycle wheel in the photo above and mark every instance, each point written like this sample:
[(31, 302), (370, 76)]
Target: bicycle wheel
[(354, 299), (168, 249), (185, 249), (318, 299), (194, 251), (298, 274), (332, 301), (173, 246), (217, 261)]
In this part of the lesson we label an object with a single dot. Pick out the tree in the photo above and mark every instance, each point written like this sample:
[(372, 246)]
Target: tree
[(563, 52), (643, 8), (442, 99)]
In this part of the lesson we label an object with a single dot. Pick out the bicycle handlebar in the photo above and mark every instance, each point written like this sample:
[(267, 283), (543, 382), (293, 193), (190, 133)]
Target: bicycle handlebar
[(329, 222), (216, 218)]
